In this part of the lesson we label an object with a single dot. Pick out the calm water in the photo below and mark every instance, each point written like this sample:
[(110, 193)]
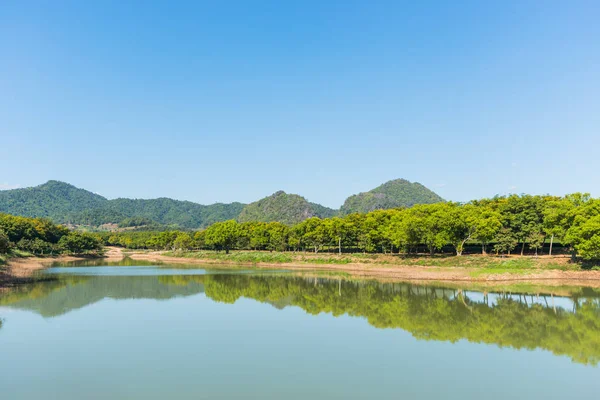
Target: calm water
[(158, 332)]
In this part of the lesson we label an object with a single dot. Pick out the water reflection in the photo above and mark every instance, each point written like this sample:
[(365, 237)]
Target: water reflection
[(563, 325)]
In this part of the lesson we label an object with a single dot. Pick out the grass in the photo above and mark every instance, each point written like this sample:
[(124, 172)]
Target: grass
[(13, 254), (237, 256), (326, 260), (480, 264)]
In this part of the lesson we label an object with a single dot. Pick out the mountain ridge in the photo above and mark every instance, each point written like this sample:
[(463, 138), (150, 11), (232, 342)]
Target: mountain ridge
[(65, 203), (392, 194), (283, 207)]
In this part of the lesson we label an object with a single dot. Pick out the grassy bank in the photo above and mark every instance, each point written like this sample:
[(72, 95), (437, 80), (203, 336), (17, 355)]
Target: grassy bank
[(480, 264)]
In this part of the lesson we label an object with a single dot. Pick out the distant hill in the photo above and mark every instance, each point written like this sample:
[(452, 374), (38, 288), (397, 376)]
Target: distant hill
[(175, 212), (283, 207), (64, 203), (53, 199), (67, 204), (392, 194)]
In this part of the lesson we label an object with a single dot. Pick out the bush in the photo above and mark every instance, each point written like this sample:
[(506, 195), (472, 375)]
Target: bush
[(5, 244), (79, 243)]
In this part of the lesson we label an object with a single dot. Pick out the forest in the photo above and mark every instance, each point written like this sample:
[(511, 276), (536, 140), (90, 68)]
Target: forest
[(40, 236), (501, 225)]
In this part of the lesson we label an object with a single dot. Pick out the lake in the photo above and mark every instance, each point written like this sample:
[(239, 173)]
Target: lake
[(155, 332)]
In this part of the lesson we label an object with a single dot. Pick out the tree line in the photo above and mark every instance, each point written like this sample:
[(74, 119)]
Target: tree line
[(501, 225), (40, 236)]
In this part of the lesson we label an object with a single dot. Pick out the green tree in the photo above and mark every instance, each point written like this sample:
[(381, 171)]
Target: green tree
[(183, 241), (5, 244), (222, 235), (487, 224), (79, 243), (585, 237), (536, 241), (505, 241)]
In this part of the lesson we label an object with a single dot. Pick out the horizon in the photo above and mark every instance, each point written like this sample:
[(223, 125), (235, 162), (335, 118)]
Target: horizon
[(324, 100)]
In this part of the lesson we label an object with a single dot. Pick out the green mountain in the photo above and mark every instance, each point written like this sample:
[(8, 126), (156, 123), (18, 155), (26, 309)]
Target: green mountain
[(175, 212), (392, 194), (64, 203), (53, 199), (67, 204), (283, 207)]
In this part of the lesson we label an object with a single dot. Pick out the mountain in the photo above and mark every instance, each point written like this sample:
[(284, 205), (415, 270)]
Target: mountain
[(53, 199), (175, 212), (283, 207), (64, 203), (392, 194)]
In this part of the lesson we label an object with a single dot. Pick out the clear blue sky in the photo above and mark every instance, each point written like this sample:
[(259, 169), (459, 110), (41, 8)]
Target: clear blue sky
[(223, 100)]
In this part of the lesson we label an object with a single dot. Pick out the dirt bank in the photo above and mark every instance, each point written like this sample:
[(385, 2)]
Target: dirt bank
[(406, 272), (21, 270)]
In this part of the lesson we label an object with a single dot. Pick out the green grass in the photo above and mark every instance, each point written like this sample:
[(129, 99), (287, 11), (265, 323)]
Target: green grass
[(482, 264), (13, 254), (237, 256), (326, 260)]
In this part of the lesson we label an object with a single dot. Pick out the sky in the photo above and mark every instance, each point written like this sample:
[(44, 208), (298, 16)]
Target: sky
[(221, 101)]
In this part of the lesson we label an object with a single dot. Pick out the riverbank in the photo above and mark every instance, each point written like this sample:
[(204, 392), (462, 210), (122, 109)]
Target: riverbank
[(476, 269), (19, 270), (480, 269)]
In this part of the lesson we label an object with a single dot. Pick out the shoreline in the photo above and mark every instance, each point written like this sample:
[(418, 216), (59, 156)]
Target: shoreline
[(22, 270), (401, 273)]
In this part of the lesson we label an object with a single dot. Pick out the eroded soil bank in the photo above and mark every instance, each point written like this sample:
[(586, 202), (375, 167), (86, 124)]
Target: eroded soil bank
[(21, 270), (551, 277)]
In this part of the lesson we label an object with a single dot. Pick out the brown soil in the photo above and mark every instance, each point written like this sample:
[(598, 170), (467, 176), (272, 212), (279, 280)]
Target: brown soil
[(21, 270), (405, 272)]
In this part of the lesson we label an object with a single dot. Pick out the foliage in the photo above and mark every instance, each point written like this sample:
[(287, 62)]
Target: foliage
[(79, 243), (42, 237), (223, 235), (283, 207), (64, 203), (135, 222), (53, 199), (393, 194), (504, 222), (5, 244), (505, 241)]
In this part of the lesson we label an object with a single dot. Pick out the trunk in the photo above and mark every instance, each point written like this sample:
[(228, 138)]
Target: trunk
[(226, 250), (551, 242), (483, 248), (523, 247), (340, 244)]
